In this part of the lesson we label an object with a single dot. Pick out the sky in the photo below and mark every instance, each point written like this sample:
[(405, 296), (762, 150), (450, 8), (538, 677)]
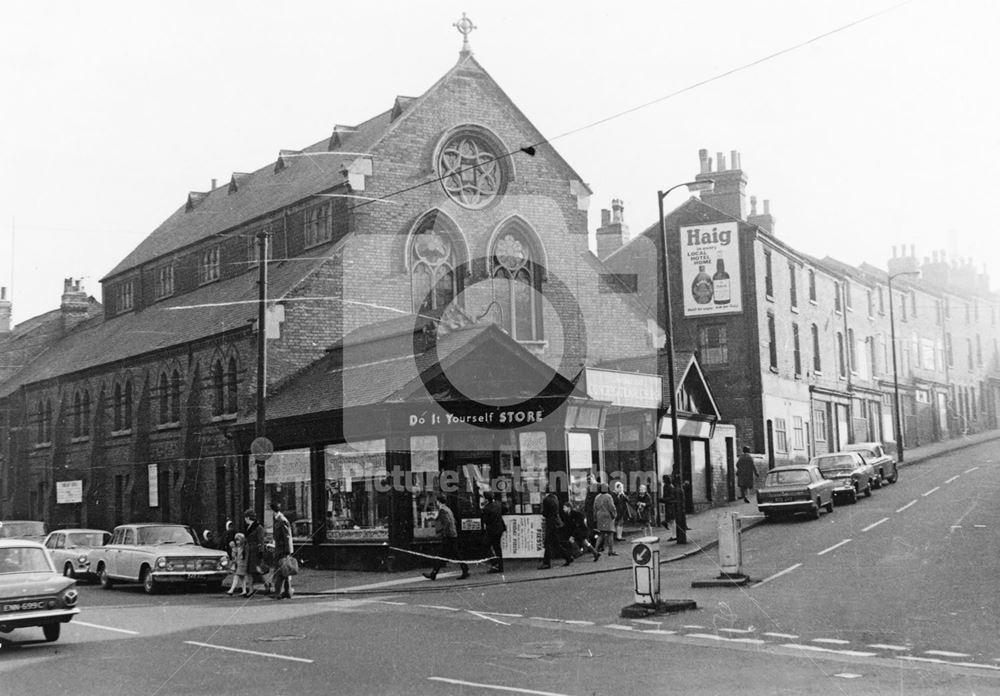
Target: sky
[(865, 124)]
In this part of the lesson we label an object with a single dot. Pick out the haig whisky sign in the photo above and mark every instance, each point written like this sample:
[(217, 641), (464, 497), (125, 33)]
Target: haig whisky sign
[(710, 269)]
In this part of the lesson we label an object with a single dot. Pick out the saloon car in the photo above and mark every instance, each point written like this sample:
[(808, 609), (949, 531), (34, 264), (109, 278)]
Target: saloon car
[(850, 472), (883, 462), (793, 489), (70, 550), (157, 554), (22, 529), (32, 593)]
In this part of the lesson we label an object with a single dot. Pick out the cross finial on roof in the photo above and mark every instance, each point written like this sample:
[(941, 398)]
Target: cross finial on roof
[(465, 27)]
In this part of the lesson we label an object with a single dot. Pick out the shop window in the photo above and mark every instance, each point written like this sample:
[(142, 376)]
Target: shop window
[(713, 345), (517, 282), (287, 481), (424, 468), (357, 499)]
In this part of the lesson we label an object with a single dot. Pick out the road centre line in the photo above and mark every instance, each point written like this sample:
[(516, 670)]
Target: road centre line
[(776, 575), (488, 618), (969, 471), (831, 641), (713, 636), (816, 648), (835, 546), (579, 623), (912, 502), (945, 653), (495, 687), (105, 628), (953, 478), (936, 661), (736, 630), (249, 652), (886, 646), (875, 524), (658, 631), (789, 636), (924, 495), (500, 613), (437, 606)]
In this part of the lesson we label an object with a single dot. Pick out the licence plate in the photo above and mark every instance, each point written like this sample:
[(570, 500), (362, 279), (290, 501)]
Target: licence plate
[(33, 605)]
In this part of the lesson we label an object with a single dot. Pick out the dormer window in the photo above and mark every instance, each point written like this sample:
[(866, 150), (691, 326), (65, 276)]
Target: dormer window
[(208, 271), (319, 225), (164, 281), (124, 300)]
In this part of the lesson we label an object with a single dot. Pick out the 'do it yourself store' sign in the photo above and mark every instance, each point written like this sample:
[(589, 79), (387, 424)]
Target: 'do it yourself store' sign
[(710, 269)]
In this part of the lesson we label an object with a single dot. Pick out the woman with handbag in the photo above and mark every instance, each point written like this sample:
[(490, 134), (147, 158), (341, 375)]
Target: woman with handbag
[(255, 552), (284, 562)]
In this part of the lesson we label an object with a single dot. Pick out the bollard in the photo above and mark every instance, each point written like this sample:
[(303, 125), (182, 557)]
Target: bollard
[(730, 529), (646, 583)]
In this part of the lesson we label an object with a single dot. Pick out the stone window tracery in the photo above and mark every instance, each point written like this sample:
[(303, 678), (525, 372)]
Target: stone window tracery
[(470, 171), (433, 257), (517, 284)]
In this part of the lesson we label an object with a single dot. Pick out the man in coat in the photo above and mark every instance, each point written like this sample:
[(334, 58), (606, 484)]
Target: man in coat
[(746, 473), (446, 528), (555, 542), (282, 547), (604, 514), (493, 529)]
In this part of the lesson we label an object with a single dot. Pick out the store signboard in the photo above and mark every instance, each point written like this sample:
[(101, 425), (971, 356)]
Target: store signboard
[(524, 537), (69, 491), (710, 269)]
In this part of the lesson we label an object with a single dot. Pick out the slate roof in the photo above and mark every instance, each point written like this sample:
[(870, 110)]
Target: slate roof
[(213, 309)]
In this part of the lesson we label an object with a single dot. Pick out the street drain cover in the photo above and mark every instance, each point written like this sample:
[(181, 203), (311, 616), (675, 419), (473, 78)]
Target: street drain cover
[(275, 639)]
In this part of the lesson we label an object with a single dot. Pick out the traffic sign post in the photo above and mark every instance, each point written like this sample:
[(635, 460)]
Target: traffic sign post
[(646, 582)]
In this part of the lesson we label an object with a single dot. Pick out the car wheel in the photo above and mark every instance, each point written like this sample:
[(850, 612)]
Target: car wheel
[(814, 513), (878, 480), (829, 506), (104, 578), (868, 490), (854, 496), (149, 583), (51, 631), (68, 571), (894, 477)]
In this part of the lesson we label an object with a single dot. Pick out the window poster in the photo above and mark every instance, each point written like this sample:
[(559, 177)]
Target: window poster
[(710, 269)]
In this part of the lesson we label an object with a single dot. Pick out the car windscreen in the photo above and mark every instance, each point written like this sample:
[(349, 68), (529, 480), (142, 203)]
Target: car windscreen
[(23, 560), (782, 478), (9, 530), (832, 463), (166, 535), (87, 539)]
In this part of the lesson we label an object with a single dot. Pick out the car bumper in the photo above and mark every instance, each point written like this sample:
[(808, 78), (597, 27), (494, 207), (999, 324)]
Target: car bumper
[(844, 488), (9, 622), (790, 506), (193, 576)]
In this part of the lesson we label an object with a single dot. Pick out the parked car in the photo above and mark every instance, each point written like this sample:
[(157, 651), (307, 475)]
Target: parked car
[(792, 489), (32, 593), (883, 463), (158, 554), (849, 471), (22, 529), (70, 550)]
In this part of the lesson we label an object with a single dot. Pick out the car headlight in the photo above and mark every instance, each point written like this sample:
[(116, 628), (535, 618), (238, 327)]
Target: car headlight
[(70, 597), (223, 562), (161, 563), (82, 559)]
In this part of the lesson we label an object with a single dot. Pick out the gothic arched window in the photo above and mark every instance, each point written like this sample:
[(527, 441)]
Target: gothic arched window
[(175, 397), (163, 391), (85, 424), (118, 408), (231, 401), (435, 251), (218, 389), (77, 414), (516, 277)]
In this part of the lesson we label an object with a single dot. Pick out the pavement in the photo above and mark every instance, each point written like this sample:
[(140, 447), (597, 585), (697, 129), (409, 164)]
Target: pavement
[(702, 536)]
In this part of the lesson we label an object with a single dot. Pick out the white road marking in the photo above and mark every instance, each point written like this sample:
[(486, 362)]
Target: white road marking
[(249, 652), (953, 478), (713, 636), (488, 618), (875, 524), (769, 579), (387, 583), (737, 630), (691, 626), (618, 627), (580, 623), (659, 631), (105, 628), (924, 495), (496, 687), (437, 606), (831, 641), (500, 613), (835, 546), (886, 646), (385, 601), (937, 661), (969, 471), (945, 653), (647, 621), (848, 675), (789, 636), (912, 502), (816, 648), (975, 664), (543, 618), (979, 526)]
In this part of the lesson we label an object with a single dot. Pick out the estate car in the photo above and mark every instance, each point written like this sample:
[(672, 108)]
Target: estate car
[(883, 463), (22, 529), (850, 472), (32, 593), (791, 489)]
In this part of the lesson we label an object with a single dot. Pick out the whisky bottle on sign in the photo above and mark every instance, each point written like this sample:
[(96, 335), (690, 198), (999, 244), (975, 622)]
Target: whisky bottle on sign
[(721, 283), (702, 287)]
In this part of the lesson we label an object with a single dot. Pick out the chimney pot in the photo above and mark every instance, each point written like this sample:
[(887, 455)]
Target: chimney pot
[(214, 181), (734, 159), (913, 250), (617, 211), (720, 160), (605, 217), (704, 161), (767, 207), (753, 205)]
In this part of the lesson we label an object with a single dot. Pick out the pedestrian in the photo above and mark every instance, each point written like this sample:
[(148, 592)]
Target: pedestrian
[(593, 488), (229, 536), (554, 539), (668, 496), (447, 530), (240, 574), (254, 535), (604, 514), (575, 526), (644, 509), (621, 510), (281, 582), (493, 529), (746, 473)]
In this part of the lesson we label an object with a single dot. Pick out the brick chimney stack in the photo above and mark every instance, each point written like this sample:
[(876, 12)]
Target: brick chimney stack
[(903, 262), (74, 304), (764, 221), (729, 193), (936, 272), (5, 311), (613, 232)]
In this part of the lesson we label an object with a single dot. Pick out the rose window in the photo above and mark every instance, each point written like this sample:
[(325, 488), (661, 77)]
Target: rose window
[(470, 172)]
